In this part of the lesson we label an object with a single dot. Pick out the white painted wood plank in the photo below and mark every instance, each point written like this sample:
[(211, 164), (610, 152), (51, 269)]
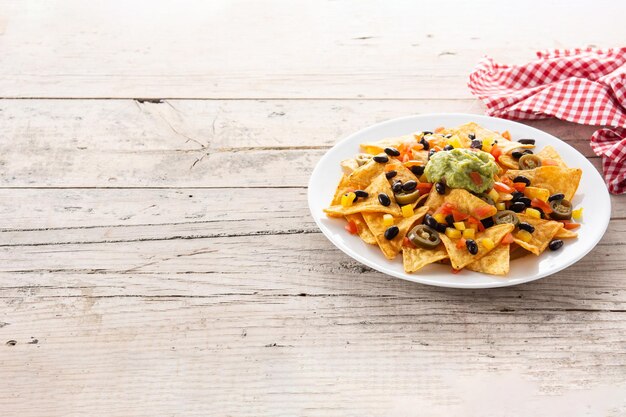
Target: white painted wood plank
[(278, 48)]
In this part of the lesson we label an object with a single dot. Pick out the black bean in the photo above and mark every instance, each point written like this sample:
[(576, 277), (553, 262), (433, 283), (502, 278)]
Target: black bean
[(450, 220), (431, 153), (361, 194), (555, 244), (382, 158), (526, 226), (440, 187), (472, 246), (448, 148), (488, 222), (557, 196), (477, 144), (426, 132), (417, 170), (440, 227), (521, 178), (527, 152), (392, 152), (384, 199), (397, 186), (410, 185), (527, 141), (448, 136), (525, 200), (391, 232), (391, 174), (425, 144), (430, 221), (517, 154), (517, 207), (516, 195), (471, 136)]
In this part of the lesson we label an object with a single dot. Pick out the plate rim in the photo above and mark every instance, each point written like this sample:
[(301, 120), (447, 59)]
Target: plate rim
[(423, 279)]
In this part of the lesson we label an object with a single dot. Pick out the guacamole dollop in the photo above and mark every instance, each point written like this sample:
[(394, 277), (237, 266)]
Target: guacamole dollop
[(454, 166)]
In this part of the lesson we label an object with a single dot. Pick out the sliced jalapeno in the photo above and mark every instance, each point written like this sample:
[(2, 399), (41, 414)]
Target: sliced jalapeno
[(529, 161), (407, 198), (506, 217), (424, 236), (561, 209)]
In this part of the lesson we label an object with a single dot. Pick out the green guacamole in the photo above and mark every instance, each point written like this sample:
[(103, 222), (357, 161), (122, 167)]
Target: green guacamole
[(456, 165)]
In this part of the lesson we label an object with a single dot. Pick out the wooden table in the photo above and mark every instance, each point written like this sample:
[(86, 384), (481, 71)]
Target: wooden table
[(157, 254)]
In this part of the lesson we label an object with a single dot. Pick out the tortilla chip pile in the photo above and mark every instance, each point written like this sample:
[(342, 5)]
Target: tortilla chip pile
[(464, 216)]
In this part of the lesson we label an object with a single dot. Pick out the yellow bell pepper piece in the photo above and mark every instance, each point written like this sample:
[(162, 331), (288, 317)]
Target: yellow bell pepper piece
[(577, 214), (459, 225), (469, 233), (523, 235), (531, 212), (494, 195), (487, 243), (347, 199), (440, 217), (501, 206), (387, 220), (535, 192), (407, 211), (453, 233)]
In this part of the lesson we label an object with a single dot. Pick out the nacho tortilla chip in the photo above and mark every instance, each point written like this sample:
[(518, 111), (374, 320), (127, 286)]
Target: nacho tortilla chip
[(508, 161), (548, 152), (363, 231), (468, 203), (415, 259), (349, 166), (391, 248), (555, 178), (371, 203), (460, 257), (541, 237), (496, 262), (564, 233), (365, 174)]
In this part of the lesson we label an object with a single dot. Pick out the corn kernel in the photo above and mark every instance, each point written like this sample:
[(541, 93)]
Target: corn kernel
[(347, 199), (494, 195), (440, 217), (459, 225), (524, 236), (453, 233), (487, 243), (577, 214), (469, 233), (501, 206), (407, 211), (531, 212), (387, 220), (539, 193)]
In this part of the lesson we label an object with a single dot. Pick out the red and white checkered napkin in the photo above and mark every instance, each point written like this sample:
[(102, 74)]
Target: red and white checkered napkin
[(586, 86)]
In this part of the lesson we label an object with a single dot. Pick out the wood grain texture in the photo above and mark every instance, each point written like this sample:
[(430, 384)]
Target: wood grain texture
[(157, 257), (278, 48)]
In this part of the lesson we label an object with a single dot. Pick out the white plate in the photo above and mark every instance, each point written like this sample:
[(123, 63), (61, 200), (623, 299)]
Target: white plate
[(592, 194)]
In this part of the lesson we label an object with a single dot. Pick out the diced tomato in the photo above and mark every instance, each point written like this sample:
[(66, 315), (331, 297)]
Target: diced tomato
[(502, 187), (460, 243), (407, 243), (476, 178), (506, 135), (437, 148), (549, 162), (519, 186), (458, 215), (507, 181), (485, 211), (535, 202), (439, 129), (478, 223), (417, 147), (507, 239), (351, 227), (570, 225), (456, 271), (445, 208), (496, 152), (424, 187)]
